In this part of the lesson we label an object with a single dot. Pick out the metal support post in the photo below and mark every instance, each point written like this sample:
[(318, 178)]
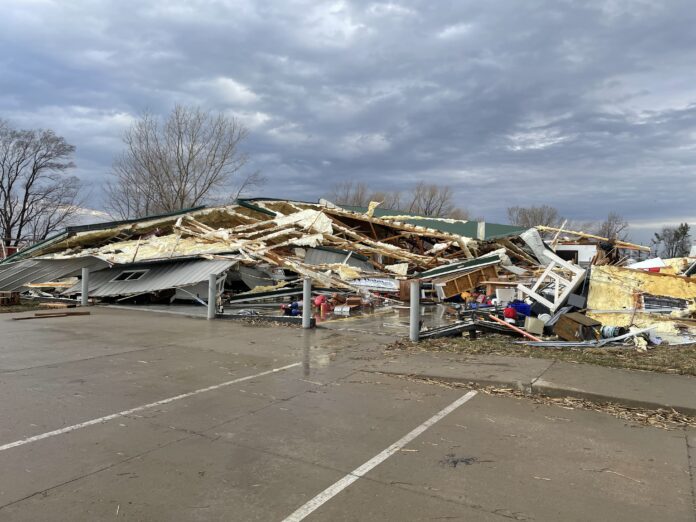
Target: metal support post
[(306, 303), (84, 298), (212, 295), (414, 331)]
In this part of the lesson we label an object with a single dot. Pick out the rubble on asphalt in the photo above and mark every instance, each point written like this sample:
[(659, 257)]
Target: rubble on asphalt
[(663, 418), (549, 287)]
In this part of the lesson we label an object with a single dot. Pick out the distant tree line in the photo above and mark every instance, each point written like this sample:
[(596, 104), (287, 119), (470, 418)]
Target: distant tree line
[(669, 242), (423, 199)]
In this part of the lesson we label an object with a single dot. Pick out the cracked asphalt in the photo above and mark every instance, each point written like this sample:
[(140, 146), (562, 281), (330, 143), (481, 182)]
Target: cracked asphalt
[(230, 447)]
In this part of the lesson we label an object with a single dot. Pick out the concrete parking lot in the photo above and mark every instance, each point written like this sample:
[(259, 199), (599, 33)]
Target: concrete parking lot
[(147, 416)]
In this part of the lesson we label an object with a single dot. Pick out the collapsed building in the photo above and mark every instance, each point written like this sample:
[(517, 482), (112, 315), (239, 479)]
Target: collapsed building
[(255, 243), (260, 250)]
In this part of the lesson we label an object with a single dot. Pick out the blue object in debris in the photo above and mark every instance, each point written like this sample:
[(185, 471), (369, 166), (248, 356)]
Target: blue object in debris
[(521, 307)]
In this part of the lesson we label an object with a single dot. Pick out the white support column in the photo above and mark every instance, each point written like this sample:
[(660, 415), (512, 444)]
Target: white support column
[(414, 332), (481, 230), (212, 295), (84, 298), (306, 303)]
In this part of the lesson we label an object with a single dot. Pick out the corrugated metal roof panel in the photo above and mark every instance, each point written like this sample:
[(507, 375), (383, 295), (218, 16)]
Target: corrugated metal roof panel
[(14, 276), (156, 276)]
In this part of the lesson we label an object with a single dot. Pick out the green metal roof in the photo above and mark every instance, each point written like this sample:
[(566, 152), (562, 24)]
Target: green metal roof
[(464, 266), (459, 227)]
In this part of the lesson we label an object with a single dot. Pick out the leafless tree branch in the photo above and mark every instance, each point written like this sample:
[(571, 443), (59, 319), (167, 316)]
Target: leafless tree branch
[(189, 159), (37, 197)]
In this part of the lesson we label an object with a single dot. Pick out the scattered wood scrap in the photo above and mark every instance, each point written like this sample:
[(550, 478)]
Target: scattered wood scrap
[(46, 315)]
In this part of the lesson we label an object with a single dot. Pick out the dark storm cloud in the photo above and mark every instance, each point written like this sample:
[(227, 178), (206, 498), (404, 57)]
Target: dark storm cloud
[(589, 106)]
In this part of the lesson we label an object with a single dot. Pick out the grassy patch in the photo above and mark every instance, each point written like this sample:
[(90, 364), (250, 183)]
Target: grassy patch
[(666, 359)]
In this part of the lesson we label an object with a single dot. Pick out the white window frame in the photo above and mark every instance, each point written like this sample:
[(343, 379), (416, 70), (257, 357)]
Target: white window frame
[(130, 276)]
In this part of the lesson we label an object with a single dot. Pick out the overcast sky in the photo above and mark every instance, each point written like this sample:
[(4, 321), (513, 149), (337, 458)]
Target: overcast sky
[(587, 106)]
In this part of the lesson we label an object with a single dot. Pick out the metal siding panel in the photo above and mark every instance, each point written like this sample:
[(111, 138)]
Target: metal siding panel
[(19, 274), (158, 277)]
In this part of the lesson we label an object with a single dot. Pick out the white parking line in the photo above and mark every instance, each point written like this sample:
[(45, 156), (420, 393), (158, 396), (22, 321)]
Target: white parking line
[(375, 461), (139, 408)]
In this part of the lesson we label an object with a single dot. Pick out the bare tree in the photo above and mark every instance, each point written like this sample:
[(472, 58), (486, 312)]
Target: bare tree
[(423, 200), (533, 216), (615, 227), (461, 214), (190, 158), (390, 200), (432, 200), (249, 181), (673, 241), (37, 197), (351, 194)]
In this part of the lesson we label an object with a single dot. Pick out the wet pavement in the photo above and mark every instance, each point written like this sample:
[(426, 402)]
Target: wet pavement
[(208, 430), (382, 320)]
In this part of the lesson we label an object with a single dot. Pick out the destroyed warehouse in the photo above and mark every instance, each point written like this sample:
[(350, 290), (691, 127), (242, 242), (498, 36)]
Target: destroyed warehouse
[(548, 285)]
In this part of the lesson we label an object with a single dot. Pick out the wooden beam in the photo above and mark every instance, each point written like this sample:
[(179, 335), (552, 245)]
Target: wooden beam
[(620, 244)]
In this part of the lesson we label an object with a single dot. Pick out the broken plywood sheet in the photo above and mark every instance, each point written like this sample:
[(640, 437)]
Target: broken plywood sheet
[(397, 268), (677, 265), (615, 288)]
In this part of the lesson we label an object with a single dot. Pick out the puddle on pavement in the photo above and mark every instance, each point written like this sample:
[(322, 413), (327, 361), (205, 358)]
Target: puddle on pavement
[(385, 320)]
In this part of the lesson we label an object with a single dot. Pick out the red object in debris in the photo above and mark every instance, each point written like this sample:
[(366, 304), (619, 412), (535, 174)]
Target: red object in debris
[(510, 313), (654, 269), (319, 300), (325, 309)]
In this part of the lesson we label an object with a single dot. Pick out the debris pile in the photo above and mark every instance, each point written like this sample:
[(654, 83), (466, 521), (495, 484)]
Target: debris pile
[(261, 249), (606, 299), (543, 285)]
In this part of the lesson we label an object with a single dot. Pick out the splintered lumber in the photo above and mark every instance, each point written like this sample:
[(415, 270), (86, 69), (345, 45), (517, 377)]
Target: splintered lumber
[(46, 315), (620, 244), (555, 238), (51, 314)]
